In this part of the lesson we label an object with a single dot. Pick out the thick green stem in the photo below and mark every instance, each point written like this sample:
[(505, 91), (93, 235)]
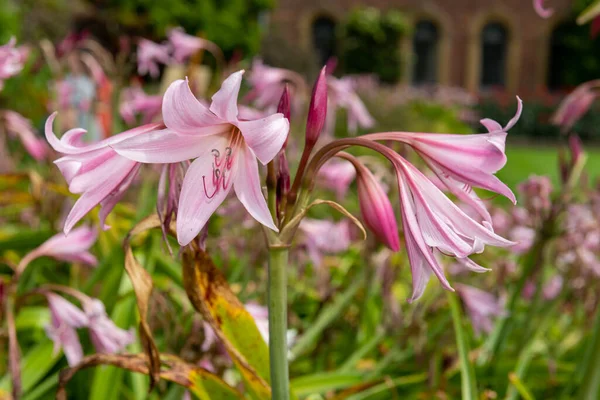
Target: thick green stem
[(278, 260), (467, 372)]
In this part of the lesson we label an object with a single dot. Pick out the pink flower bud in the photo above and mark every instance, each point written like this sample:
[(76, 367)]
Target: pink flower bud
[(284, 103), (376, 208), (317, 111)]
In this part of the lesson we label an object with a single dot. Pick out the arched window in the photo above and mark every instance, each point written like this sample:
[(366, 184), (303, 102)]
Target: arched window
[(323, 33), (425, 48), (494, 53)]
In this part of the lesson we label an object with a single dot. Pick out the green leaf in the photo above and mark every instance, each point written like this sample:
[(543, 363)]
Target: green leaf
[(34, 366), (467, 372), (589, 13), (325, 381), (207, 386)]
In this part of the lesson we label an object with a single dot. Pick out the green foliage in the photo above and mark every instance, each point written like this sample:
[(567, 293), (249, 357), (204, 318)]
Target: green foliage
[(233, 24), (370, 43)]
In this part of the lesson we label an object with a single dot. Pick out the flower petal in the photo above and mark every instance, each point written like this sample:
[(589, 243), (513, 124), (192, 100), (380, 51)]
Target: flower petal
[(167, 146), (224, 102), (265, 136), (184, 114), (199, 198), (248, 188)]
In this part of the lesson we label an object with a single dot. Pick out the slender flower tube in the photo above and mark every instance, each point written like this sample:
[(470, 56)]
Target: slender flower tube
[(185, 46), (481, 307), (95, 170), (72, 248), (543, 12), (225, 149), (65, 317), (375, 206), (149, 55), (19, 126)]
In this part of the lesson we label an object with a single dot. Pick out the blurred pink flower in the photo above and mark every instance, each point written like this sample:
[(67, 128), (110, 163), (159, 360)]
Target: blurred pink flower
[(18, 126), (95, 170), (149, 55), (226, 151), (342, 95), (337, 175), (135, 101), (261, 318), (538, 5), (65, 317), (72, 248), (185, 46), (324, 237), (481, 306), (523, 236), (553, 287), (536, 192), (12, 59), (268, 83), (575, 105), (105, 335)]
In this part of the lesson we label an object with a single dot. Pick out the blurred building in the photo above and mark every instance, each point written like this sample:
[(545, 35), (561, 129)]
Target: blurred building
[(476, 44)]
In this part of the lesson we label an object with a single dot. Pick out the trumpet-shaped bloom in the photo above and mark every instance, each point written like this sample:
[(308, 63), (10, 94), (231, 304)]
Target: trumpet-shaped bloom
[(464, 161), (542, 11), (481, 307), (65, 317), (185, 46), (72, 248), (343, 95), (12, 59), (19, 126), (95, 170), (268, 84), (135, 101), (149, 55), (225, 149), (432, 221), (105, 335)]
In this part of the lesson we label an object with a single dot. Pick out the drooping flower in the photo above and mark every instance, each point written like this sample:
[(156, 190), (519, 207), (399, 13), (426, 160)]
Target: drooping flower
[(226, 151), (135, 101), (342, 95), (65, 318), (149, 55), (72, 248), (575, 105), (12, 59), (105, 335), (185, 46), (543, 12), (481, 306), (464, 161), (95, 170), (268, 84), (18, 126)]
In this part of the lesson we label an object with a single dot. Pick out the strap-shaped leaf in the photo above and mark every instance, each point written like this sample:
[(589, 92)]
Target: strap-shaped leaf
[(210, 295), (591, 12)]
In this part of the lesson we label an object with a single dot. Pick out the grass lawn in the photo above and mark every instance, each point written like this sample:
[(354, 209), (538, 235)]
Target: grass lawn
[(525, 160)]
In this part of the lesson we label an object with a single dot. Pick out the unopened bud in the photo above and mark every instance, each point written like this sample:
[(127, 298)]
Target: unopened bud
[(317, 111)]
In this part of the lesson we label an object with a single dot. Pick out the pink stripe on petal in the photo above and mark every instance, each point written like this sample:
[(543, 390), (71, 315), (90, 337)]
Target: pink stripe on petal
[(248, 188)]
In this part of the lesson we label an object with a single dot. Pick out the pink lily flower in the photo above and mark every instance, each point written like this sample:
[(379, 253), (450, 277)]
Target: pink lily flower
[(337, 175), (325, 237), (575, 105), (12, 59), (481, 307), (21, 127), (432, 221), (65, 317), (149, 55), (136, 101), (226, 151), (543, 12), (464, 161), (269, 82), (72, 248), (95, 170), (185, 46), (105, 335), (343, 95)]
